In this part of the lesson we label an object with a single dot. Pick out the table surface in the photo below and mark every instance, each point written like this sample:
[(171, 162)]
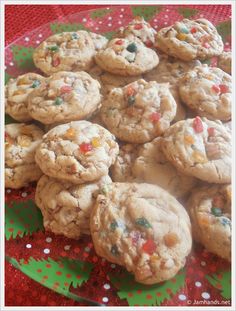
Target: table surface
[(20, 290)]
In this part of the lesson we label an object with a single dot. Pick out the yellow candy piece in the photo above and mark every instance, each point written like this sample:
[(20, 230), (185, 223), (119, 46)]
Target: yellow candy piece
[(96, 142), (70, 133), (209, 77), (199, 157), (24, 141), (154, 258), (181, 36), (188, 139)]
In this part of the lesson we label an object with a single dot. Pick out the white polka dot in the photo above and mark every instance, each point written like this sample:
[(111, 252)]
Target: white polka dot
[(122, 10), (106, 286), (87, 249), (110, 18), (121, 15), (37, 42), (182, 297), (155, 26), (11, 64), (201, 15), (24, 194), (84, 20), (105, 299), (46, 251), (119, 22), (8, 190), (166, 16), (40, 35), (198, 284), (205, 295), (113, 265), (27, 39), (48, 240), (203, 263), (165, 23), (5, 67), (108, 8), (100, 22), (167, 10), (109, 25), (67, 247), (155, 20), (28, 245), (96, 28), (226, 43)]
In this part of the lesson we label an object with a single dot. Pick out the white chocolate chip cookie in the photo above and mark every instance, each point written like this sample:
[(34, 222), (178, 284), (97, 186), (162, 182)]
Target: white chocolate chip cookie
[(139, 112), (201, 148), (64, 97), (127, 57), (16, 95), (66, 207), (210, 213), (66, 51), (188, 40), (77, 152), (21, 142), (207, 91), (143, 228)]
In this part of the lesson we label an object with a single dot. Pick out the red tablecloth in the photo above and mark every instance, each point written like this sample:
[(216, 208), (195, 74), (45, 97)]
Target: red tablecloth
[(19, 19)]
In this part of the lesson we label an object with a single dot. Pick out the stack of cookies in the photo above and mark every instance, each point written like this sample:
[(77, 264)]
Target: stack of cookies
[(144, 109)]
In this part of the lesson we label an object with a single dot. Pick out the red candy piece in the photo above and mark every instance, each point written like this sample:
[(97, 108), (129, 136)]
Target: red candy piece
[(193, 30), (65, 89), (155, 116), (206, 45), (149, 247), (119, 42), (130, 91), (223, 88), (215, 88), (85, 147), (149, 43), (56, 62), (138, 26), (211, 131), (197, 125)]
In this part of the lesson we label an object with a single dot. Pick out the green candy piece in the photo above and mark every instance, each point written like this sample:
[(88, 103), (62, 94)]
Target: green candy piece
[(131, 100), (132, 48), (54, 48), (114, 250), (216, 211), (114, 225), (74, 35), (58, 101), (143, 222), (184, 30), (35, 84)]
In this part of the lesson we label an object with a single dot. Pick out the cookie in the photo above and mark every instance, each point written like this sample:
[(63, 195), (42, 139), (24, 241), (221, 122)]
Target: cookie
[(143, 228), (138, 112), (210, 212), (66, 207), (224, 62), (21, 142), (126, 57), (64, 97), (152, 166), (122, 169), (141, 29), (110, 81), (170, 70), (99, 41), (207, 91), (78, 152), (201, 148), (16, 95), (190, 39), (66, 51)]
